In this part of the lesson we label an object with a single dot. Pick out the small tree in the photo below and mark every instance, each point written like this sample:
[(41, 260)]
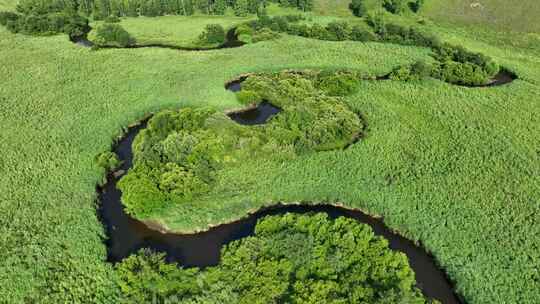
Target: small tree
[(395, 6), (241, 8), (213, 34), (358, 8)]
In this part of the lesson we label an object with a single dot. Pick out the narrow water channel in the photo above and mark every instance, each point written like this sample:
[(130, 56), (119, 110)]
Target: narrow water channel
[(127, 235)]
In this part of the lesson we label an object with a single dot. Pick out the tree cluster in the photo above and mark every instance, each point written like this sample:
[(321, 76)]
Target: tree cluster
[(303, 5), (112, 34), (178, 156), (45, 24), (304, 259)]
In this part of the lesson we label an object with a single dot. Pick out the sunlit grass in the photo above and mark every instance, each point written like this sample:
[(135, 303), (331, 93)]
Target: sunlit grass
[(453, 167)]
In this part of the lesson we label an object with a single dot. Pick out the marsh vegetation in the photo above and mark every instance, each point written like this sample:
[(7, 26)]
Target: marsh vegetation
[(439, 162)]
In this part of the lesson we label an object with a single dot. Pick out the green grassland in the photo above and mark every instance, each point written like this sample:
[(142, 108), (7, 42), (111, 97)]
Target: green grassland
[(452, 167), (499, 14), (173, 30), (7, 5)]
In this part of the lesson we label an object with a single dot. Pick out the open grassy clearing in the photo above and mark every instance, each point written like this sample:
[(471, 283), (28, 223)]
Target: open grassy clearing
[(453, 167), (499, 14)]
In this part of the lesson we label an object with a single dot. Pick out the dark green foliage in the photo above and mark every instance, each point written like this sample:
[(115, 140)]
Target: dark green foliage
[(416, 5), (146, 278), (45, 24), (448, 52), (303, 5), (290, 259), (459, 66), (112, 19), (339, 31), (112, 34), (358, 7), (175, 159), (108, 161), (213, 34), (395, 6), (241, 8), (264, 35), (305, 121)]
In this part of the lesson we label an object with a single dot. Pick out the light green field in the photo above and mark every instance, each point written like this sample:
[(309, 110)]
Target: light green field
[(173, 30), (8, 5), (520, 16), (453, 167)]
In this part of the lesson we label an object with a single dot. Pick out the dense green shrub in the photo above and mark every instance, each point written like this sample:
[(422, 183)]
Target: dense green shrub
[(359, 33), (416, 5), (305, 122), (213, 34), (338, 84), (264, 35), (339, 31), (45, 24), (290, 259), (8, 17), (112, 34), (146, 278), (249, 35), (247, 97), (108, 160), (304, 5), (112, 19)]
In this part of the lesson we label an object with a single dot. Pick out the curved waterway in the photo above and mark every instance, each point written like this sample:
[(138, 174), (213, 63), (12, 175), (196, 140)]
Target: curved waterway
[(231, 41), (127, 235)]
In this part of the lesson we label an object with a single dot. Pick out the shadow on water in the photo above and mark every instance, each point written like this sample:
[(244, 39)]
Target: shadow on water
[(127, 235)]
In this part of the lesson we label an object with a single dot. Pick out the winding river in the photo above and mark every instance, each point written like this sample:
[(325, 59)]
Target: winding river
[(127, 235)]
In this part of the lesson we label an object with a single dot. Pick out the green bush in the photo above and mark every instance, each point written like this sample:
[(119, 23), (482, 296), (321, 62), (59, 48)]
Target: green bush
[(213, 34), (178, 157), (146, 278), (112, 34), (359, 33), (416, 5), (290, 259), (6, 17), (244, 33), (339, 84), (108, 161), (112, 19), (358, 7), (264, 35), (247, 97), (45, 24), (395, 6)]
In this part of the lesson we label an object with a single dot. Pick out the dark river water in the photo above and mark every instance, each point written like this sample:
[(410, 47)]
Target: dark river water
[(127, 235)]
